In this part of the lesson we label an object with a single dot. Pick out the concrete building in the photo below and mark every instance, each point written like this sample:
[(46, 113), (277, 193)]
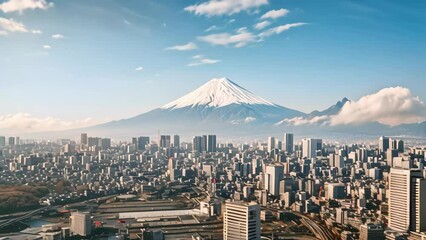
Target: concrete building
[(211, 143), (241, 221), (81, 224), (271, 143), (371, 232), (407, 200), (273, 176)]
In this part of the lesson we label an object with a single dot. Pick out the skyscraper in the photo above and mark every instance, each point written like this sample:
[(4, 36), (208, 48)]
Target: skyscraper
[(288, 143), (211, 143), (241, 221), (407, 200), (383, 144), (2, 141), (271, 143), (310, 147), (274, 174), (11, 141), (142, 142), (165, 141), (83, 139), (176, 141), (196, 144)]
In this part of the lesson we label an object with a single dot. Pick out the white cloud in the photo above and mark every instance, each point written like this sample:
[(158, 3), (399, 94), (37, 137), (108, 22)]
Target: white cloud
[(47, 47), (240, 39), (58, 36), (36, 31), (391, 106), (140, 68), (185, 47), (201, 60), (224, 7), (25, 123), (21, 5), (10, 25), (301, 121), (275, 14), (214, 27), (262, 25), (246, 120), (280, 29)]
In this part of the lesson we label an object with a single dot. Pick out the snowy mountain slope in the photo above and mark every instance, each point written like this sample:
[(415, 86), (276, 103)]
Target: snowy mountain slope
[(218, 92)]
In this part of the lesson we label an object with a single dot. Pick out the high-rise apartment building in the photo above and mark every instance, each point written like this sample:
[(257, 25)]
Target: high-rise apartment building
[(371, 232), (142, 142), (288, 143), (11, 141), (2, 141), (241, 221)]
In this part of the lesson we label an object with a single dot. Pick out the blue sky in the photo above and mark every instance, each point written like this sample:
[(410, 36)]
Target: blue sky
[(73, 60)]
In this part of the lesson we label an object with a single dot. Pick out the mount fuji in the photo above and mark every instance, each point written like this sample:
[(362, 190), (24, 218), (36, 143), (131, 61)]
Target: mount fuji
[(219, 105)]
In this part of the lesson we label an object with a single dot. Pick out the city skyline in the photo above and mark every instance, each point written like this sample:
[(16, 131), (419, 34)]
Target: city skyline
[(121, 55)]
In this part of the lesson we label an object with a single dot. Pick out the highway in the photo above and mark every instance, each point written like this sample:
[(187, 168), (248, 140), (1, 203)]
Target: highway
[(29, 214)]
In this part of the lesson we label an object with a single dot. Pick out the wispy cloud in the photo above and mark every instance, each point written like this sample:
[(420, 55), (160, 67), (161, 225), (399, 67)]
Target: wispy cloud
[(275, 14), (138, 69), (279, 29), (47, 47), (214, 27), (185, 47), (241, 38), (24, 122), (10, 25), (21, 5), (224, 7), (262, 25), (58, 36), (201, 60)]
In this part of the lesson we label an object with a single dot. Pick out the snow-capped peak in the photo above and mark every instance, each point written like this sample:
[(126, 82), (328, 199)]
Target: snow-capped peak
[(217, 92)]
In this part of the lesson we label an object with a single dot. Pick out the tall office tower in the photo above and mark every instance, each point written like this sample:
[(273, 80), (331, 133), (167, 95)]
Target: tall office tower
[(390, 154), (81, 224), (371, 232), (288, 142), (135, 141), (241, 221), (211, 143), (106, 143), (273, 176), (165, 141), (310, 147), (271, 143), (400, 146), (407, 200), (196, 144), (11, 141), (383, 144), (142, 142), (83, 139), (17, 140), (2, 141), (203, 143), (176, 141)]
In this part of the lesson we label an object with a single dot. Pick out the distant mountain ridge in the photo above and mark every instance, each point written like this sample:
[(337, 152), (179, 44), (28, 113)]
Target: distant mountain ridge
[(223, 107)]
